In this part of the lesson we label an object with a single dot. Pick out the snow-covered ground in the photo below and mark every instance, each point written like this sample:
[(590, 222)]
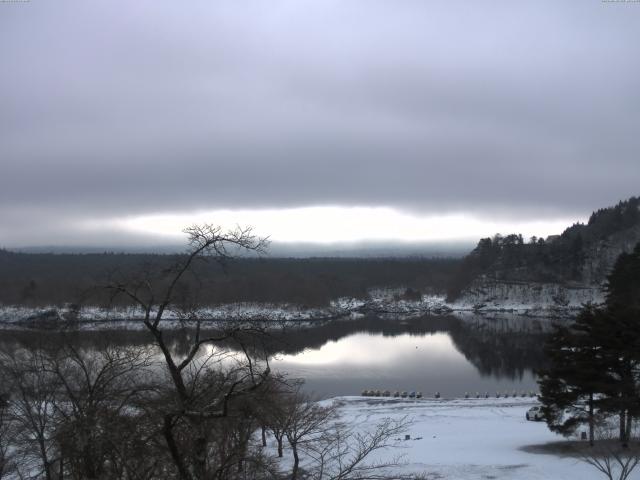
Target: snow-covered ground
[(467, 439)]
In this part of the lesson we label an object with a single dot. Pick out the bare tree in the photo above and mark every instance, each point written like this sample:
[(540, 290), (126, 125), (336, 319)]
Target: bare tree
[(345, 452), (273, 411), (97, 389), (323, 447), (72, 409), (304, 422), (7, 464), (204, 381), (32, 407)]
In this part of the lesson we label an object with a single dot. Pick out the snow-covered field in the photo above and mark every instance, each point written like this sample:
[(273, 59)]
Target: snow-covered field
[(468, 439)]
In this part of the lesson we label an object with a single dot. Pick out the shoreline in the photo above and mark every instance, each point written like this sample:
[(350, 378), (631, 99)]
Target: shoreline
[(48, 317)]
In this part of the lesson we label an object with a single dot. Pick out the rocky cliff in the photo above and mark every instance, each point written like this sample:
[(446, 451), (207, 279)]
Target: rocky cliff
[(538, 299), (602, 254), (553, 277)]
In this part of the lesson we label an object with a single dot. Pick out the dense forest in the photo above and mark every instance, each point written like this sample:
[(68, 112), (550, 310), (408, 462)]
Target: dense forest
[(55, 279), (554, 259)]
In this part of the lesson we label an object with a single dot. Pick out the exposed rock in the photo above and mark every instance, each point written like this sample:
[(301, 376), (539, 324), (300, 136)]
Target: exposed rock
[(523, 297), (584, 261), (601, 256)]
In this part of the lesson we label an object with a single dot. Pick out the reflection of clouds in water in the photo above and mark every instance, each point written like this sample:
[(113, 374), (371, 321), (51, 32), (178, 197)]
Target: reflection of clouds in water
[(374, 350), (365, 361)]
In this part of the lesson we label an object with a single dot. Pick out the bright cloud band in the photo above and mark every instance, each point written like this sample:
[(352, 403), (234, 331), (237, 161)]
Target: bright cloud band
[(328, 224)]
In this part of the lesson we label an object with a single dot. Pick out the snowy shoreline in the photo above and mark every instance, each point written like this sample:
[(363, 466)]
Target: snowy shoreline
[(382, 302)]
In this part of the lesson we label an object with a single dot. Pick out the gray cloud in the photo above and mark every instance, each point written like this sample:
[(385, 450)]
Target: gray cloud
[(496, 108)]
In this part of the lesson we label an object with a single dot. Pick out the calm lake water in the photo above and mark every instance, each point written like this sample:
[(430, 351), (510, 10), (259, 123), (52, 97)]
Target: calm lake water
[(447, 354), (429, 363)]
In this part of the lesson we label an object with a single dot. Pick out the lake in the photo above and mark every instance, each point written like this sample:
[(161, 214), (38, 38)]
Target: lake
[(450, 354)]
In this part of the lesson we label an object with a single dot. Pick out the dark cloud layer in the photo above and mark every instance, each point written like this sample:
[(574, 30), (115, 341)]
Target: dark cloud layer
[(495, 108)]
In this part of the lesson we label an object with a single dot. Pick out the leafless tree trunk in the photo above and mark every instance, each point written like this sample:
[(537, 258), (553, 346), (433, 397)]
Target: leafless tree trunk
[(263, 434), (591, 414)]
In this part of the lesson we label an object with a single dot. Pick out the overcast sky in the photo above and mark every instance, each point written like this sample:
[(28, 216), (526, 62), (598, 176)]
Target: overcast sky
[(327, 120)]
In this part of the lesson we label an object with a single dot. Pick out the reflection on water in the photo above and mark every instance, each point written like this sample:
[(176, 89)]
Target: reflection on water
[(426, 363), (364, 349), (448, 354)]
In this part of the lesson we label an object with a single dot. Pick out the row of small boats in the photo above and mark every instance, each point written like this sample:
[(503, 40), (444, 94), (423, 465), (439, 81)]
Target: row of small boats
[(413, 394), (387, 393)]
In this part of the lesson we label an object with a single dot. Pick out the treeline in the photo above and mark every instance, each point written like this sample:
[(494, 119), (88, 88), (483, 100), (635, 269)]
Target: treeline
[(55, 279), (555, 259)]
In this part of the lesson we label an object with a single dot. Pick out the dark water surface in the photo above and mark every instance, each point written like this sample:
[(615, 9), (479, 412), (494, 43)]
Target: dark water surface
[(447, 354)]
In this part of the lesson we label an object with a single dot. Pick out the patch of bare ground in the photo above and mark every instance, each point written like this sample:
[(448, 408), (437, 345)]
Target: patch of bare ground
[(577, 448)]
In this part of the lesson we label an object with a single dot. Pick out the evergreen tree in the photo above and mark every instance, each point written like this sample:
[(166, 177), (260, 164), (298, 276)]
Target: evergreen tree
[(594, 365), (622, 334), (623, 286), (574, 377)]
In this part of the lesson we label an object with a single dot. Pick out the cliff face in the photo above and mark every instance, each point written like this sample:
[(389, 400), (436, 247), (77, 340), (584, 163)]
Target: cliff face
[(544, 299), (601, 256), (581, 259)]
